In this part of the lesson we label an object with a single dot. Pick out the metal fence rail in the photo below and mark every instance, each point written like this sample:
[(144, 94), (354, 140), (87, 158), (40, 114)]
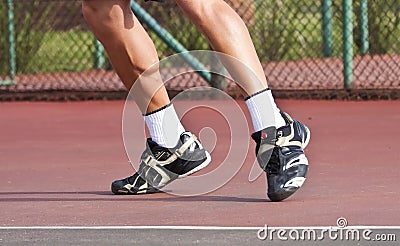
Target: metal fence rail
[(306, 47)]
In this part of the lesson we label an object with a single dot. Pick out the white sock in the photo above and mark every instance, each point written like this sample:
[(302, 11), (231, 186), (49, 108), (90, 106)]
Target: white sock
[(263, 110), (164, 126)]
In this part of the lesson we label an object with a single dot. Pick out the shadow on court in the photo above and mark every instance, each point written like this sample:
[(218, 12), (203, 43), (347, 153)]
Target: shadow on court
[(59, 159)]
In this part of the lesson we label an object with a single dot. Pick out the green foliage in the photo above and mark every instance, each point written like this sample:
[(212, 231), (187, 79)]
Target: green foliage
[(384, 26), (282, 30), (27, 42), (289, 30), (4, 45)]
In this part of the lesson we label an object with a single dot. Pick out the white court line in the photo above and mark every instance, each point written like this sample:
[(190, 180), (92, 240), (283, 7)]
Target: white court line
[(189, 228)]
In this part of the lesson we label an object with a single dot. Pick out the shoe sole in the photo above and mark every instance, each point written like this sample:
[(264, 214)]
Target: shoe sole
[(281, 195), (198, 168), (308, 137), (124, 191), (118, 191)]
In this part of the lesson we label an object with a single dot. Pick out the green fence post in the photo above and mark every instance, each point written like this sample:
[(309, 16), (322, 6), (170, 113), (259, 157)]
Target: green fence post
[(364, 27), (347, 8), (11, 41), (99, 54), (327, 28), (143, 16)]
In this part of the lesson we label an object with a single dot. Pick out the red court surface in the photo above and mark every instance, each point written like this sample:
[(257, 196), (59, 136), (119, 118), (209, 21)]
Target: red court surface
[(57, 161)]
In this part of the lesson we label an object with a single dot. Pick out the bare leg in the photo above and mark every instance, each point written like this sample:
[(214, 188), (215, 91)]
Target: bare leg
[(130, 49), (133, 56), (228, 34)]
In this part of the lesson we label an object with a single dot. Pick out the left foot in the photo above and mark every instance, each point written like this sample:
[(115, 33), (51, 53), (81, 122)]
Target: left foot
[(159, 166)]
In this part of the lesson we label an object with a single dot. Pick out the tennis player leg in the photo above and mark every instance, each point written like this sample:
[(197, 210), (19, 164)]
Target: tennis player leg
[(280, 140), (171, 152)]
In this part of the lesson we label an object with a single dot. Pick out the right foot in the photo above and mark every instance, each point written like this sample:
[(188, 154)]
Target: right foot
[(159, 166), (280, 154)]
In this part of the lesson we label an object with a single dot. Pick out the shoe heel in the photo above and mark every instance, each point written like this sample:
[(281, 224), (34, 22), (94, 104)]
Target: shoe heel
[(198, 168)]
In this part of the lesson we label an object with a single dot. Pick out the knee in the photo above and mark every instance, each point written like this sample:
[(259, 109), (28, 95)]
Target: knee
[(105, 17), (198, 11), (97, 17), (92, 12), (201, 13)]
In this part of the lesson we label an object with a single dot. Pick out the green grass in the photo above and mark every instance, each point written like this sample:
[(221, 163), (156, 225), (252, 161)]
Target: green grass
[(62, 51)]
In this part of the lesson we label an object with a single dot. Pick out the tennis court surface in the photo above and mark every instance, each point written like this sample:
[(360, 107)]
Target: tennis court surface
[(58, 160)]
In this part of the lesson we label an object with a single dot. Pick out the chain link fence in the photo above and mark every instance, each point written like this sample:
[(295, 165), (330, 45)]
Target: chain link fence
[(308, 48)]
